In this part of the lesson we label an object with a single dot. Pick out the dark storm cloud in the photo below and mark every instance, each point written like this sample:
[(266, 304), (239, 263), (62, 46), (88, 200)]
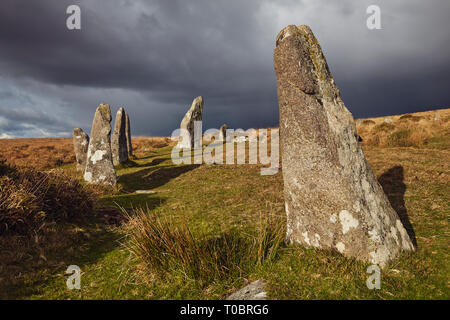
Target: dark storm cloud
[(154, 57)]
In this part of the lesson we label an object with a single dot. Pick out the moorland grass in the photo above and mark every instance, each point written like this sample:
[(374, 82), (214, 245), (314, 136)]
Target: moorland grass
[(203, 234), (201, 204)]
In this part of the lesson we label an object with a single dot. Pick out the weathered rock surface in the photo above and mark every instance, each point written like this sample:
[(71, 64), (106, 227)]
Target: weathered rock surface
[(80, 146), (128, 135), (223, 132), (145, 192), (119, 146), (253, 291), (332, 198), (99, 165), (193, 114)]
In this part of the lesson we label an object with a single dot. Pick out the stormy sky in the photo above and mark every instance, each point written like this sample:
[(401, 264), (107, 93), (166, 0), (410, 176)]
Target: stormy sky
[(154, 57)]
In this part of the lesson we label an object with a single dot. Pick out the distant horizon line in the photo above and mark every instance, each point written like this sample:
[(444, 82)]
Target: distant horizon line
[(5, 136)]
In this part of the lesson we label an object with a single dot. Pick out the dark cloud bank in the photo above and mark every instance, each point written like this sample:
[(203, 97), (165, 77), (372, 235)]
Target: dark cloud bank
[(154, 57)]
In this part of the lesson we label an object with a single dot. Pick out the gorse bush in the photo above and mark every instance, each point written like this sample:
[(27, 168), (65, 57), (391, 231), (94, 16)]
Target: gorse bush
[(384, 127), (400, 138), (163, 246), (410, 117), (28, 198)]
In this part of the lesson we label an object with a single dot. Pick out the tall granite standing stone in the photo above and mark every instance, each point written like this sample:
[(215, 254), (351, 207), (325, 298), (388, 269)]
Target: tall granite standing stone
[(119, 139), (332, 198), (128, 135), (99, 165), (193, 114), (80, 145), (223, 132)]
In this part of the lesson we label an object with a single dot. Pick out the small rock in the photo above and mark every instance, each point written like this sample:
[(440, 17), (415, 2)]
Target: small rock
[(253, 291), (145, 192)]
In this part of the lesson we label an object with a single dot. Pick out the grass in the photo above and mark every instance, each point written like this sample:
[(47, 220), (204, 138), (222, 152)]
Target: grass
[(217, 216), (37, 153), (430, 129), (29, 198), (163, 246)]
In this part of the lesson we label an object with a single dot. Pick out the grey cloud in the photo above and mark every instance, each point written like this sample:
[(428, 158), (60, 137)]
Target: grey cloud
[(155, 57)]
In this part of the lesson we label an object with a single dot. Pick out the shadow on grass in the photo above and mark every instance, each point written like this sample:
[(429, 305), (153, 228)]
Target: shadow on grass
[(129, 201), (153, 177), (152, 155), (25, 279), (394, 187), (134, 164)]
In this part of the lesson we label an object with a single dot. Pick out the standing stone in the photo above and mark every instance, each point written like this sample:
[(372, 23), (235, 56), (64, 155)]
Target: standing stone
[(80, 145), (223, 132), (193, 114), (128, 135), (332, 198), (119, 139), (99, 165)]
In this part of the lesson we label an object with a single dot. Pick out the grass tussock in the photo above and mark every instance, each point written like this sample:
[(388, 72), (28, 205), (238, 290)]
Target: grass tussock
[(29, 197), (429, 129), (163, 246)]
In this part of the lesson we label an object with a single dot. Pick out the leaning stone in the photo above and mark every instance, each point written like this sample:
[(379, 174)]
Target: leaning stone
[(128, 135), (387, 120), (332, 198), (253, 291), (193, 114), (119, 139), (437, 116), (99, 165), (80, 145)]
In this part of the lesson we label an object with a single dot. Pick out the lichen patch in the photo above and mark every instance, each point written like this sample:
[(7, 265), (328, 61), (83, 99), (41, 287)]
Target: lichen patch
[(305, 236), (98, 156), (347, 221), (333, 218), (340, 247)]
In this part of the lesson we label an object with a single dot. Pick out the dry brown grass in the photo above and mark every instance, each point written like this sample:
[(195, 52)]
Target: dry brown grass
[(142, 146), (430, 129), (38, 153), (29, 197), (48, 153)]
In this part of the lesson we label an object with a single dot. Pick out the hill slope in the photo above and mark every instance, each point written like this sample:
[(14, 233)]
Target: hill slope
[(430, 129)]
